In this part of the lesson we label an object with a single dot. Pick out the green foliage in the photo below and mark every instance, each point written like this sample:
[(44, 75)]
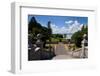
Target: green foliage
[(49, 28), (35, 28), (57, 35), (54, 40), (78, 36)]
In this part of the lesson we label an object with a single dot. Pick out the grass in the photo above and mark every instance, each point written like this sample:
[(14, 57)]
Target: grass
[(58, 39)]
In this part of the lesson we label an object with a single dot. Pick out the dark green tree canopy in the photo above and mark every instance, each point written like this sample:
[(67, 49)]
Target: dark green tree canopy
[(35, 28), (77, 37)]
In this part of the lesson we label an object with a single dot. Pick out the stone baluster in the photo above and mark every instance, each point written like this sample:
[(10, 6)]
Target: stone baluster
[(84, 41)]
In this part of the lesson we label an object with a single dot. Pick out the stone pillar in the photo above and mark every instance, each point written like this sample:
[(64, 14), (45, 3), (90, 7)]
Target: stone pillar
[(84, 41)]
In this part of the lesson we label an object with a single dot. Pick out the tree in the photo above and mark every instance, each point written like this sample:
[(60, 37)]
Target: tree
[(77, 37), (35, 28), (49, 28)]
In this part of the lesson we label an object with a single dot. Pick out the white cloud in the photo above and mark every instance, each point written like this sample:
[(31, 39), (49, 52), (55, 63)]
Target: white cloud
[(68, 22), (76, 26), (56, 29), (73, 27)]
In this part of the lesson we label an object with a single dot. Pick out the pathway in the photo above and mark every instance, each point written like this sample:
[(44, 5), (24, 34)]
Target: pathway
[(61, 51)]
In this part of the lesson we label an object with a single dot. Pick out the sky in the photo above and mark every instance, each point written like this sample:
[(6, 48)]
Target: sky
[(61, 24)]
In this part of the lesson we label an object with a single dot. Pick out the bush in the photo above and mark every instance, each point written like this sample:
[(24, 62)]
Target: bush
[(77, 37)]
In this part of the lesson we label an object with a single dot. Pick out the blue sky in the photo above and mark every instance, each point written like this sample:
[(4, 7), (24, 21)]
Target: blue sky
[(65, 24)]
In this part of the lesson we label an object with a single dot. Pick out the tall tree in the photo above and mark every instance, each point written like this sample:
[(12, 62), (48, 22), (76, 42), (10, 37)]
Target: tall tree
[(49, 27), (35, 28), (77, 37)]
